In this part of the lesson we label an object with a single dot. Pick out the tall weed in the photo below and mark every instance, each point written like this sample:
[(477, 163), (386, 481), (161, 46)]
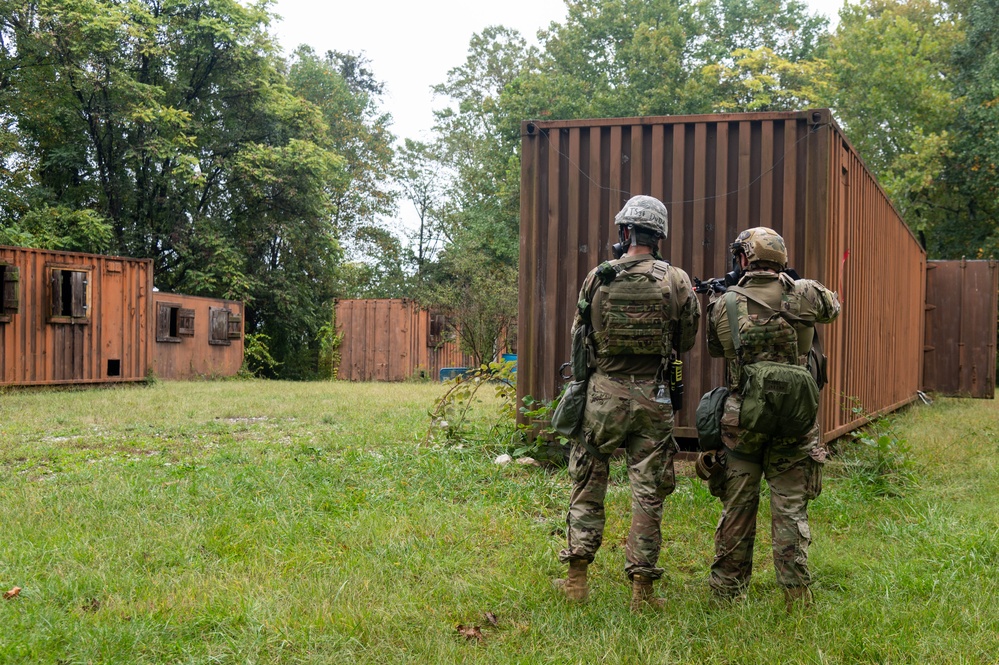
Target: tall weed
[(878, 458)]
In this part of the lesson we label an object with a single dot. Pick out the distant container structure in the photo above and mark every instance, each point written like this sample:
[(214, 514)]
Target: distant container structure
[(72, 317), (394, 339), (718, 175), (961, 326), (196, 337)]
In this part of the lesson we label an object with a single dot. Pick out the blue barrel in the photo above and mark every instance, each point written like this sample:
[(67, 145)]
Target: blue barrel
[(448, 373)]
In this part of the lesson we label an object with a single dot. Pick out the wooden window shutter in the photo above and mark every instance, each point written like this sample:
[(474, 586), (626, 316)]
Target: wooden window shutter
[(235, 326), (11, 290), (185, 322), (162, 323), (79, 294), (55, 295), (218, 321), (436, 333)]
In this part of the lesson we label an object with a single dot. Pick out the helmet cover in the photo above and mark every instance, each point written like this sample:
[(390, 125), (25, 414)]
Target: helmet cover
[(644, 212), (761, 244)]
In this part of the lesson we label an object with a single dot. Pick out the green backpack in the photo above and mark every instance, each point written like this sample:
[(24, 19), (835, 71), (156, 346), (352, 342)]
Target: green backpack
[(779, 398)]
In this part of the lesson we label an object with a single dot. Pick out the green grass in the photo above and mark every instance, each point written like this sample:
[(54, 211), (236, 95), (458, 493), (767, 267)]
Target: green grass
[(267, 522)]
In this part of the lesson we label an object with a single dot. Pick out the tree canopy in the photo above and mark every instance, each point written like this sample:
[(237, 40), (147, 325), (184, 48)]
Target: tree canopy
[(176, 130)]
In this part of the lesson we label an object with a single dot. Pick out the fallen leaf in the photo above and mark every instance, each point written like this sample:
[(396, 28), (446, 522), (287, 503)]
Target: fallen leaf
[(491, 618), (470, 632), (92, 605), (13, 593)]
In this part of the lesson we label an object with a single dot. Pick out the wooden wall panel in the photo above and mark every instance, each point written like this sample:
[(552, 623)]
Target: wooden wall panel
[(719, 175), (193, 357), (960, 348)]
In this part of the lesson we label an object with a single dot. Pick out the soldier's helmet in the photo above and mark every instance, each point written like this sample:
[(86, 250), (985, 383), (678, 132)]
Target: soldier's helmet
[(761, 244), (644, 212)]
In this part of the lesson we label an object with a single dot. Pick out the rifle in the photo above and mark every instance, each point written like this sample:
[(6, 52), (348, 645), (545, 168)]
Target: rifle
[(721, 284)]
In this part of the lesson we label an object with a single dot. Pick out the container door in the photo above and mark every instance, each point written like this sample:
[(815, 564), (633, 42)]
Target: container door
[(959, 356)]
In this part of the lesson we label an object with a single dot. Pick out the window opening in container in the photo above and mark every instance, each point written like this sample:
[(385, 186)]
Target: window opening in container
[(114, 367), (69, 293), (9, 292)]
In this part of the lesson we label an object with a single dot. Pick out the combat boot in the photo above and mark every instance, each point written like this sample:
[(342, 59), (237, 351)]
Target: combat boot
[(797, 595), (642, 594), (575, 586)]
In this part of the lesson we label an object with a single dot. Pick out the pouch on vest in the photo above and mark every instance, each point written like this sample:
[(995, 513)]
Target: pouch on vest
[(709, 415), (568, 415), (581, 369)]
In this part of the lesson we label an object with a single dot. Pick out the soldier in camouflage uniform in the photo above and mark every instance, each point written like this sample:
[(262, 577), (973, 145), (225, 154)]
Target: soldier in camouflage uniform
[(792, 467), (640, 309)]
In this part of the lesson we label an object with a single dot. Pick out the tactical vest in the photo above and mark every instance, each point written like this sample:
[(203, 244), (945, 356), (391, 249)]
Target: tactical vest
[(633, 308), (764, 337)]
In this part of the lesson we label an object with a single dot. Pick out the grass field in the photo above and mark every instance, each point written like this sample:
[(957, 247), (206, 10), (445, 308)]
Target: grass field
[(267, 522)]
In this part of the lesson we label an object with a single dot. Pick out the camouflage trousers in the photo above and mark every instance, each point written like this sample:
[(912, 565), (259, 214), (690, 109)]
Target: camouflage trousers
[(793, 470), (621, 412)]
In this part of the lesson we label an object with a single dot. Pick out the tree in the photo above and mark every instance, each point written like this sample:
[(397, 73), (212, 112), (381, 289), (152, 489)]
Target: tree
[(347, 94), (423, 180), (178, 125), (971, 176), (761, 80), (892, 87)]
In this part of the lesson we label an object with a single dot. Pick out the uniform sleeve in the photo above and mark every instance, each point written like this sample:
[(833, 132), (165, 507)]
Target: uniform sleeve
[(584, 291), (822, 303), (688, 312), (715, 347)]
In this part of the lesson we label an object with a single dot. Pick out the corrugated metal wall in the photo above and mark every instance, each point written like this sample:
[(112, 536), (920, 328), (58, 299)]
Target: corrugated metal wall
[(717, 175), (192, 356), (38, 350), (389, 340), (877, 266), (961, 302)]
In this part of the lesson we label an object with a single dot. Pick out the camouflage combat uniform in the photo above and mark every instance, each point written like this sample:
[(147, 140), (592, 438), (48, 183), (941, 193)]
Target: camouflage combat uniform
[(621, 411), (792, 467)]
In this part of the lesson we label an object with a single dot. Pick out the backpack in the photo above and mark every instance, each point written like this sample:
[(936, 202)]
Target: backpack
[(780, 398)]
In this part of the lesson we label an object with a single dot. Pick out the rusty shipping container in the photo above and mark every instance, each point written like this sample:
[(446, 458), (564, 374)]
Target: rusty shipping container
[(69, 317), (196, 337), (393, 339), (718, 175), (960, 350)]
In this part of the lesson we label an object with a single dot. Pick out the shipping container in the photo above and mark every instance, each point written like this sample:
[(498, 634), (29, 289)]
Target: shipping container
[(394, 339), (69, 317), (718, 175), (196, 337)]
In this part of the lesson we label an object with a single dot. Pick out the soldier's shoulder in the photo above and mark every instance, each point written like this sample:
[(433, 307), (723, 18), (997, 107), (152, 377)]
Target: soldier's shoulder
[(808, 287), (675, 272)]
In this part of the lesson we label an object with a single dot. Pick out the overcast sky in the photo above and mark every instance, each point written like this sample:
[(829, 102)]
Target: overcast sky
[(412, 44)]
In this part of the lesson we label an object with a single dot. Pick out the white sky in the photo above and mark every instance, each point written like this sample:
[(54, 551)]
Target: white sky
[(413, 43)]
